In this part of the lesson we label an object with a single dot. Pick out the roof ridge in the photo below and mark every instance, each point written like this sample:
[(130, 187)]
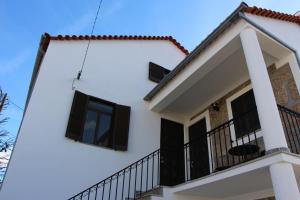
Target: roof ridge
[(118, 37), (273, 14)]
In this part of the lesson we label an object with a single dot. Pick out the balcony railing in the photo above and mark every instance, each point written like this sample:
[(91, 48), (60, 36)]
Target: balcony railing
[(234, 142), (291, 125), (220, 148)]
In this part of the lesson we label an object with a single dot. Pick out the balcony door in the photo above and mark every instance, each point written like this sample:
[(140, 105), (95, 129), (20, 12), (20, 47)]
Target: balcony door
[(199, 154), (172, 153)]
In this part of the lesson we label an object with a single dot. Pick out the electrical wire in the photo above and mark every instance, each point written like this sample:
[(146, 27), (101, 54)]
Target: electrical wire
[(16, 105), (87, 47)]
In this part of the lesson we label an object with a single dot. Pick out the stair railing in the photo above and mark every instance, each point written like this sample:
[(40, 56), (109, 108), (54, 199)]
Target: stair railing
[(128, 183)]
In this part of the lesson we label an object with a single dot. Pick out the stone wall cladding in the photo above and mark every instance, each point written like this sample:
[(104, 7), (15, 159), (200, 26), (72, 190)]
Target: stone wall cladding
[(284, 87), (221, 116)]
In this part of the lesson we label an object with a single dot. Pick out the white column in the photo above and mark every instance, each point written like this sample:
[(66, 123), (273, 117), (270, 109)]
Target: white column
[(265, 100), (295, 68), (282, 174), (284, 186)]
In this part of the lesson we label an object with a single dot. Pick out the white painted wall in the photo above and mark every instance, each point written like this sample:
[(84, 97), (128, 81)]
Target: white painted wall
[(47, 165)]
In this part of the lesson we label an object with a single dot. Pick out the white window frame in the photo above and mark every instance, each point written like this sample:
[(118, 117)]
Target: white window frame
[(204, 115), (244, 139)]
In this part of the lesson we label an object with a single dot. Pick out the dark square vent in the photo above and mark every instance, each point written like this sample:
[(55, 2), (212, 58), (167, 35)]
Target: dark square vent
[(157, 72)]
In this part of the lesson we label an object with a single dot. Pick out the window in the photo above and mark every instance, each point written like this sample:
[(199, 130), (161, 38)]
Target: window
[(98, 122), (157, 72), (245, 114)]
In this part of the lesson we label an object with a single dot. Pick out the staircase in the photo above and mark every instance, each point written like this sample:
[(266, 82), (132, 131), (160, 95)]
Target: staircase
[(139, 180)]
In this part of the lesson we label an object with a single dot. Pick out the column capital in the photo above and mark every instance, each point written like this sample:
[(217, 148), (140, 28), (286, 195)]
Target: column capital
[(248, 29)]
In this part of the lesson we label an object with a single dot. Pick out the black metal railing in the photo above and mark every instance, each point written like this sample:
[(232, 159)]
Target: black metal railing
[(291, 125), (128, 183), (231, 143), (220, 148)]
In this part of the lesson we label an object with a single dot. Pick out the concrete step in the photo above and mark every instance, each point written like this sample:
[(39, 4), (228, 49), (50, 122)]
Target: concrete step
[(157, 192), (151, 197), (153, 194)]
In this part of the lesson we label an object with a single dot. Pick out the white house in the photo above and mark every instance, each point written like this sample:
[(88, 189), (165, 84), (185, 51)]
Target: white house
[(148, 120)]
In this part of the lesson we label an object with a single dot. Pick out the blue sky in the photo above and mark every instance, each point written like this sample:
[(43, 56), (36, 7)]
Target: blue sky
[(23, 22)]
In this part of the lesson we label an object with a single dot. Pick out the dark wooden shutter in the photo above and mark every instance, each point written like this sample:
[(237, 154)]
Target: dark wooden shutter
[(198, 149), (157, 72), (171, 153), (77, 114), (245, 114), (121, 127)]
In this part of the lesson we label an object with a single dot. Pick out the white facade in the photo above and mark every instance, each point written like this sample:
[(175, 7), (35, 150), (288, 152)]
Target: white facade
[(47, 165)]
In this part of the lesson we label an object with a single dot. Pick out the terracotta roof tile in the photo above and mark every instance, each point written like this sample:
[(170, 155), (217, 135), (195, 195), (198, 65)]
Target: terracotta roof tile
[(118, 37), (273, 14)]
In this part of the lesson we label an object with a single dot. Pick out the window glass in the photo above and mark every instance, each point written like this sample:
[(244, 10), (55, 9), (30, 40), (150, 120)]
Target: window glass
[(104, 130), (97, 128), (100, 107), (89, 127)]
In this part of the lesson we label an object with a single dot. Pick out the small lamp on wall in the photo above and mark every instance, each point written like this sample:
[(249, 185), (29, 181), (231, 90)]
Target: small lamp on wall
[(215, 106)]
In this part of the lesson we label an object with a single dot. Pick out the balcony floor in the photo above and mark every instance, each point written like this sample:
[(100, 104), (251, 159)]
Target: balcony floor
[(249, 180)]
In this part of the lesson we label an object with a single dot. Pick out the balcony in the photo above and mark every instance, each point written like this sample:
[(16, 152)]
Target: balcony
[(225, 152)]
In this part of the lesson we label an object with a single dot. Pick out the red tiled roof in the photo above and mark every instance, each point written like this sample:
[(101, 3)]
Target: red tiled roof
[(118, 37), (273, 14)]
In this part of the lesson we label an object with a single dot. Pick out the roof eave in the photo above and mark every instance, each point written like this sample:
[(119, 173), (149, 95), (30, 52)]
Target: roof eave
[(44, 42), (206, 42)]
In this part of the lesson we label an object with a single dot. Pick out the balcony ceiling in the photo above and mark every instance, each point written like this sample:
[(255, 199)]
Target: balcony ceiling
[(202, 83), (217, 82)]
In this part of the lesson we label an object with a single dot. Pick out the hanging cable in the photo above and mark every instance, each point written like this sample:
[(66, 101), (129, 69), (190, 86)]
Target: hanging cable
[(14, 104), (87, 47)]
